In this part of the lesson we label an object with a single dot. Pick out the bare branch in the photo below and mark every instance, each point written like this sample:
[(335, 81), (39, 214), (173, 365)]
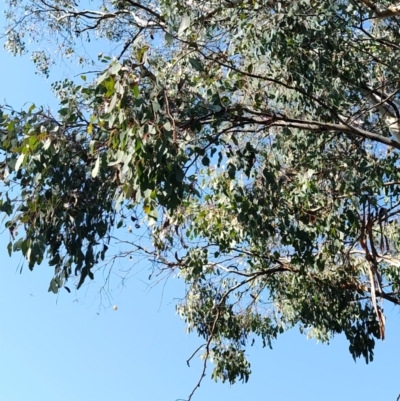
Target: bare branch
[(345, 128)]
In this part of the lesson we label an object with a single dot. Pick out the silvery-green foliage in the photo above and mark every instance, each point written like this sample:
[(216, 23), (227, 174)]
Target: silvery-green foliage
[(253, 136)]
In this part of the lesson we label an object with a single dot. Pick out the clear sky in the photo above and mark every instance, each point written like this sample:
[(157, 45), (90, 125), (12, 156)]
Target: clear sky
[(71, 348)]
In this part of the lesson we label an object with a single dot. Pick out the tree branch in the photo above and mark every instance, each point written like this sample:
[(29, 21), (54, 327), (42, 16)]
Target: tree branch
[(319, 126)]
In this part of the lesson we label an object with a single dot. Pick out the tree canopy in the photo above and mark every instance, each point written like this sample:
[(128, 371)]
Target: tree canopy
[(257, 142)]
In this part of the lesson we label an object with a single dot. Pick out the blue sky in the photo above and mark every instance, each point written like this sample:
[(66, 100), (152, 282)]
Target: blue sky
[(74, 347)]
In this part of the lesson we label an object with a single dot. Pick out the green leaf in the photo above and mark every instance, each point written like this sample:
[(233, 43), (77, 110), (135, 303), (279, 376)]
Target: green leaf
[(185, 23), (231, 171), (205, 161), (109, 84), (113, 103), (169, 38), (115, 68), (17, 245), (20, 161), (47, 144), (135, 89), (199, 151), (95, 170), (196, 64), (156, 106), (53, 286), (56, 260), (147, 193), (120, 155)]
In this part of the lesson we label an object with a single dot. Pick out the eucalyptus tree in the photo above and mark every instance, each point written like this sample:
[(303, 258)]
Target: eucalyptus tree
[(258, 141)]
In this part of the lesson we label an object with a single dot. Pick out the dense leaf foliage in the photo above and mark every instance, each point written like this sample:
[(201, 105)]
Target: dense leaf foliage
[(253, 138)]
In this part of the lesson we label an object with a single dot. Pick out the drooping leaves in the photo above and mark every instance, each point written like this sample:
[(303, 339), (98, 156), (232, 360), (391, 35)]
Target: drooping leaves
[(256, 140)]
